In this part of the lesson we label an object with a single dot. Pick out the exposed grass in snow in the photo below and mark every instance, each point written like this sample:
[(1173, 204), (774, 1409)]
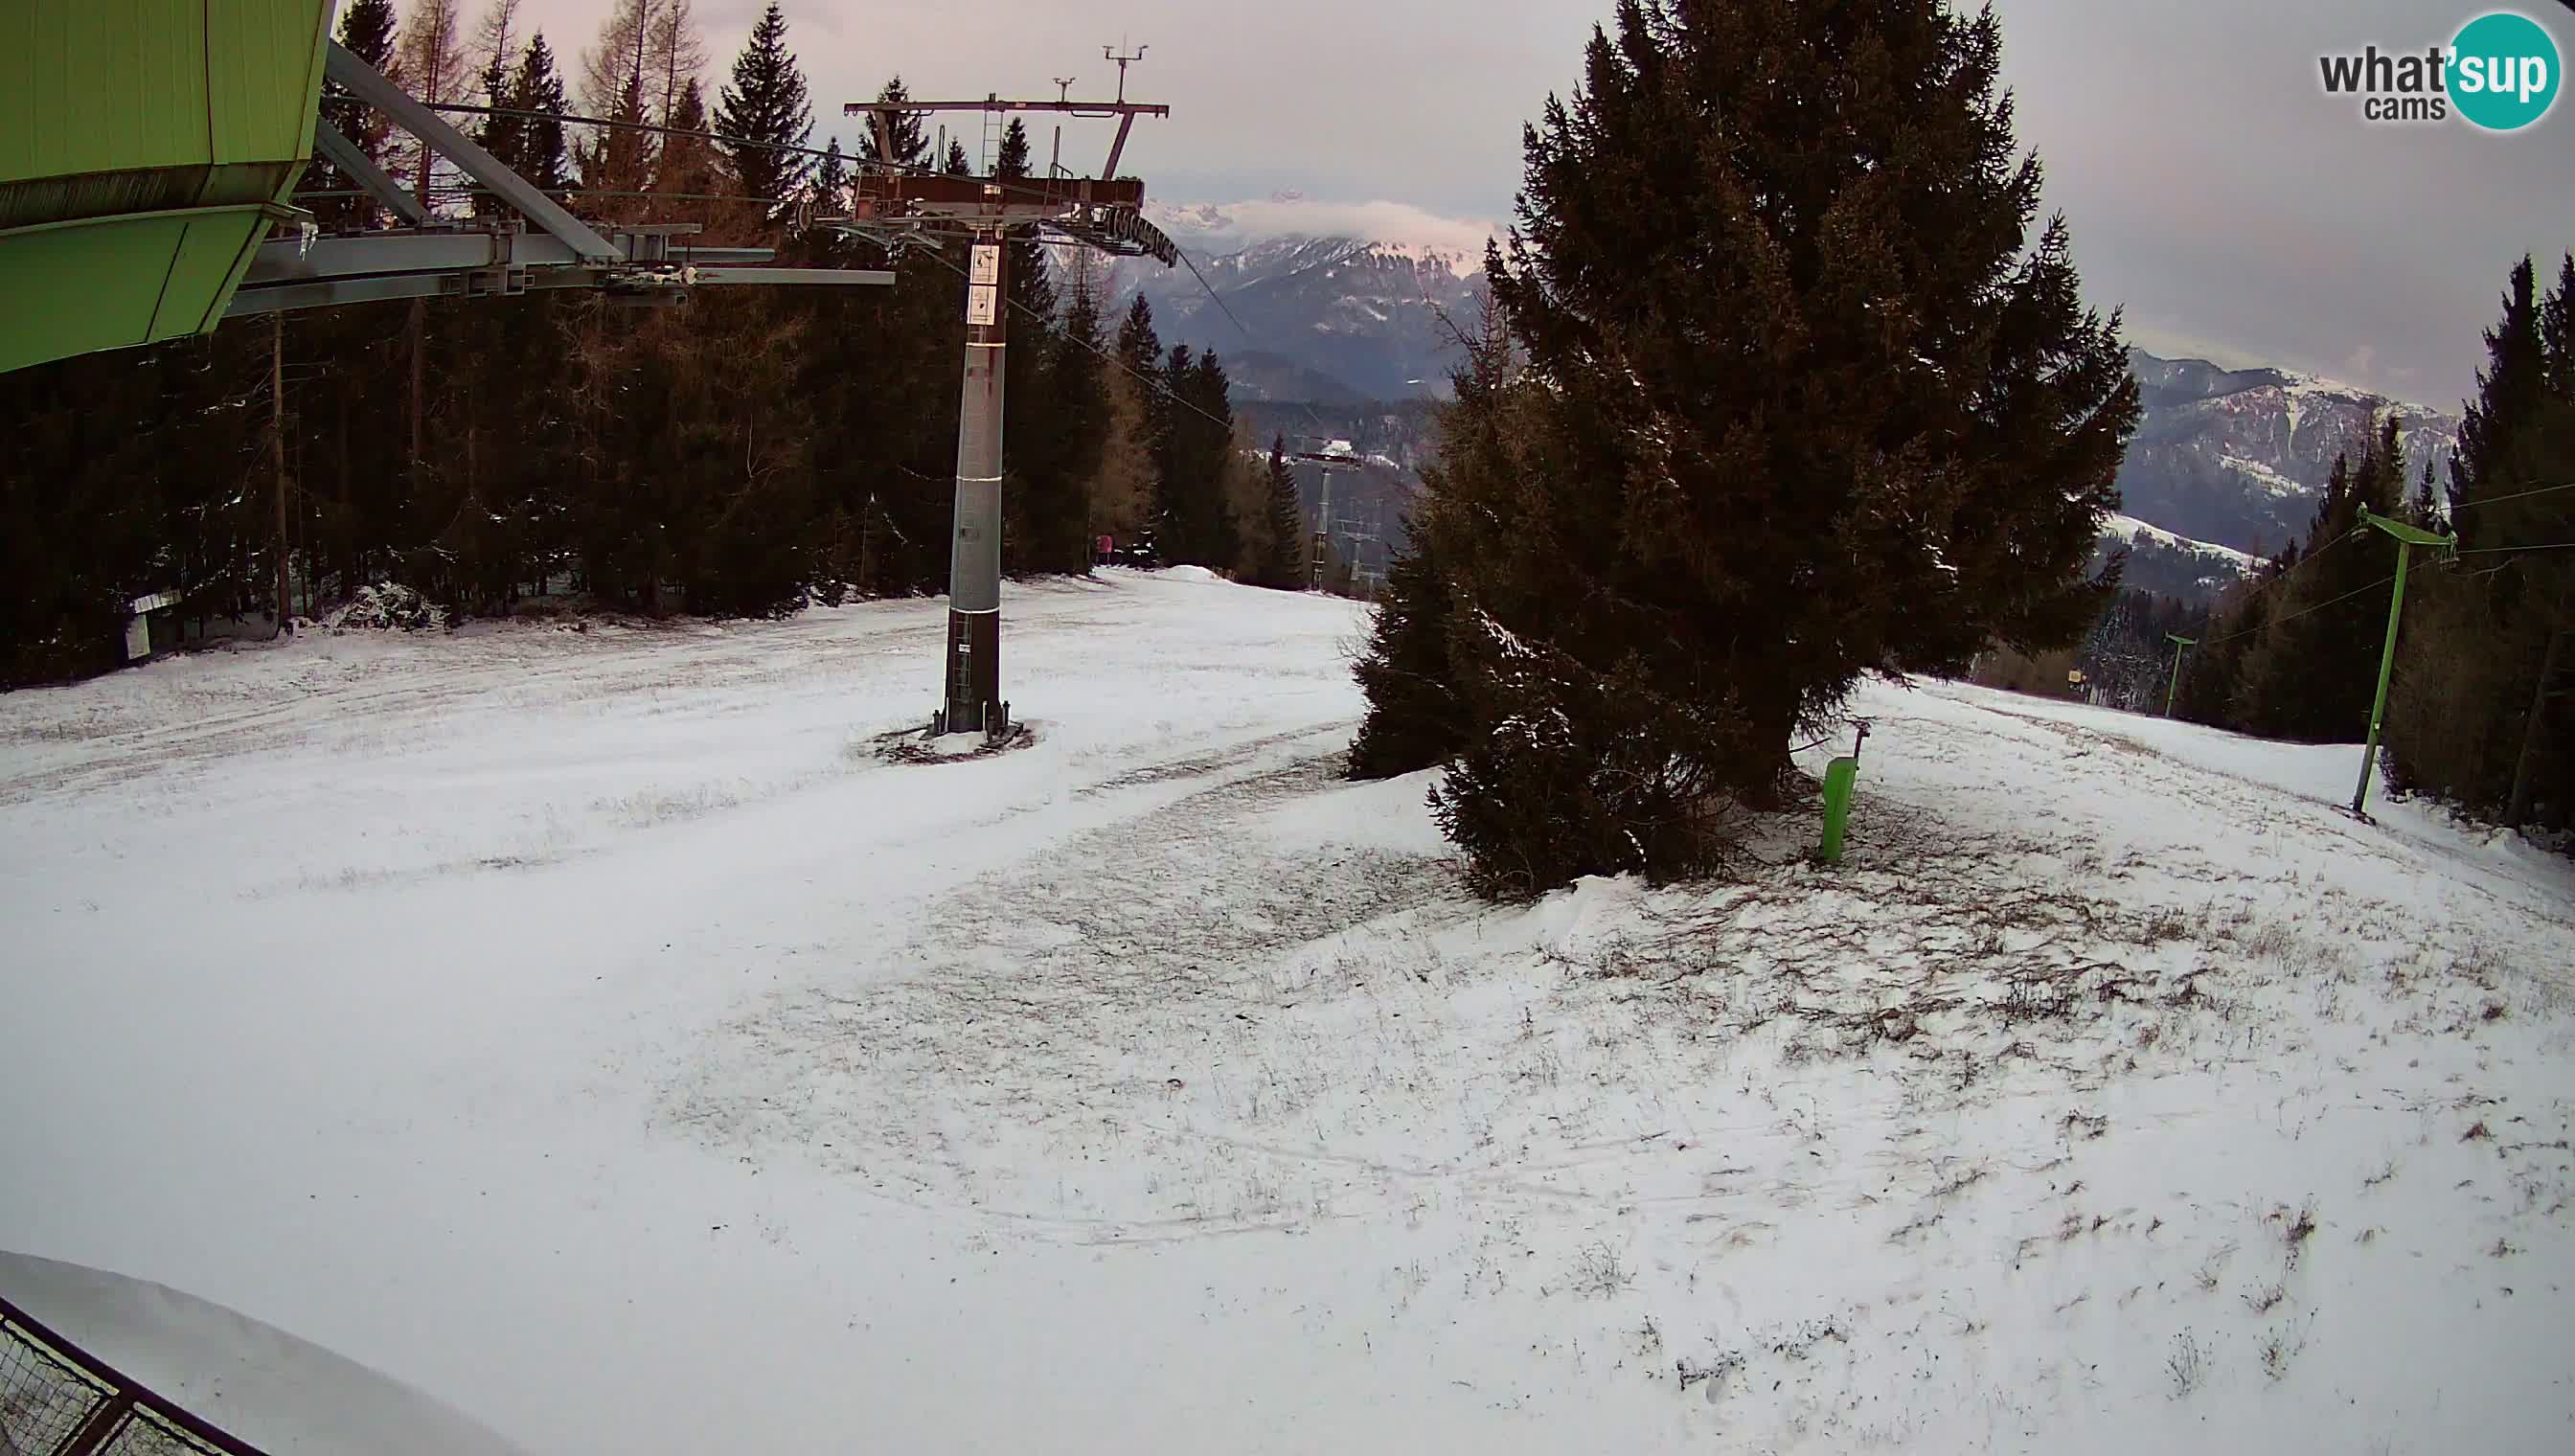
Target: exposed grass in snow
[(584, 1005)]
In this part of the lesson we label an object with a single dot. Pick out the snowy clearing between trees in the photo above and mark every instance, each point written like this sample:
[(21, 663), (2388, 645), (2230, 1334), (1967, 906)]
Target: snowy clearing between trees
[(589, 1030)]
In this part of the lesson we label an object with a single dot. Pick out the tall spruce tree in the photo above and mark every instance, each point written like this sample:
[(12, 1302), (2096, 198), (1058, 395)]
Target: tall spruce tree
[(763, 108), (433, 69), (2509, 388), (1805, 399), (1415, 719), (687, 171), (2482, 709), (500, 131), (910, 148), (673, 56), (1196, 521), (831, 178), (1284, 562), (2311, 673), (544, 157), (367, 29), (1078, 419)]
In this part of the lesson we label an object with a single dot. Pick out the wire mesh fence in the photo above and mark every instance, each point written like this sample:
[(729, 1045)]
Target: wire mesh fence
[(57, 1399)]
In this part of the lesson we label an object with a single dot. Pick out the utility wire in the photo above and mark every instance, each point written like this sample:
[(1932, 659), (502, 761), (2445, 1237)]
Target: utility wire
[(2303, 611), (1214, 298), (2517, 495), (2488, 549), (2313, 556), (1324, 434)]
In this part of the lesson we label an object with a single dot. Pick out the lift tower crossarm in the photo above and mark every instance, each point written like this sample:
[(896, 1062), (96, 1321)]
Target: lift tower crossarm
[(880, 116), (1093, 109)]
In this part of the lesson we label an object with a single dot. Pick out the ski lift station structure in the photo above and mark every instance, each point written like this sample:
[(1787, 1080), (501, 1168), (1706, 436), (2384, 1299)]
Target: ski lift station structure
[(146, 149), (149, 155)]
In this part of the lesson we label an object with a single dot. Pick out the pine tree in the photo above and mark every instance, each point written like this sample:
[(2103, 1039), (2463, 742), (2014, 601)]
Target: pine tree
[(2423, 512), (2509, 388), (1193, 518), (1415, 717), (618, 159), (2482, 709), (543, 158), (672, 58), (432, 70), (618, 164), (1073, 416), (1139, 347), (830, 179), (957, 165), (2311, 674), (910, 150), (688, 170), (617, 57), (367, 29), (1804, 400), (1120, 490), (1174, 458), (1283, 562), (765, 102), (498, 131), (1222, 459)]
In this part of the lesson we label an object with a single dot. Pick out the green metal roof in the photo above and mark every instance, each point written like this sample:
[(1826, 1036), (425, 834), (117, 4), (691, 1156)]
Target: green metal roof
[(145, 148)]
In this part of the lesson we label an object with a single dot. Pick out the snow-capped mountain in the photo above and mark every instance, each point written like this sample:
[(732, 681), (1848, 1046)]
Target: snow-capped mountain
[(2237, 458), (1342, 305), (1326, 312)]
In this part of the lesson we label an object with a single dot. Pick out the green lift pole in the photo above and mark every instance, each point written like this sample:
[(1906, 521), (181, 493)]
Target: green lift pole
[(2182, 645), (2407, 537)]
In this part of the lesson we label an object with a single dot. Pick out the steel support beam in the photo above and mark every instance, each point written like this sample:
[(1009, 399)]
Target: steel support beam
[(790, 275), (370, 86), (361, 169), (362, 255), (323, 293), (1118, 148)]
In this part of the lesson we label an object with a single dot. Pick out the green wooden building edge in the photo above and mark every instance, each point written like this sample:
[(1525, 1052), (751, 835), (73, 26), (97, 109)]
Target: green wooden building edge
[(146, 147)]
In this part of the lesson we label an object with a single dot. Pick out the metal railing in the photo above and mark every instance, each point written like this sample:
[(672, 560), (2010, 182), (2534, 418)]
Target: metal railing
[(57, 1399)]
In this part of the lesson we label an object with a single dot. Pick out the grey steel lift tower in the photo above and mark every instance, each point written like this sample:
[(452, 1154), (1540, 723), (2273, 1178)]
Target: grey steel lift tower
[(1104, 213)]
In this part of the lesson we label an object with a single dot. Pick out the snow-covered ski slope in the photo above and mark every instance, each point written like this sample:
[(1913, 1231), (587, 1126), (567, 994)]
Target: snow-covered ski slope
[(588, 1029)]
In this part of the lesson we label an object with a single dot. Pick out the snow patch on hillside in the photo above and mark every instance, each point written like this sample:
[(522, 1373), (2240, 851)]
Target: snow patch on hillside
[(2134, 531), (2263, 477)]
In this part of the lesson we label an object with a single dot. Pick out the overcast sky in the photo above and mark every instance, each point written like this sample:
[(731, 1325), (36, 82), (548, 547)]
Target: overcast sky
[(2214, 189)]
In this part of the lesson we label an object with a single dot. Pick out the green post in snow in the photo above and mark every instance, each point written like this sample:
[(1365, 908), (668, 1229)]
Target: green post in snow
[(2407, 537), (2182, 643), (1841, 776)]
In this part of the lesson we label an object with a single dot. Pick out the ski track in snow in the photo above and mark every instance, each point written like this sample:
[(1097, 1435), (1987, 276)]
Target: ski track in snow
[(588, 1028)]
